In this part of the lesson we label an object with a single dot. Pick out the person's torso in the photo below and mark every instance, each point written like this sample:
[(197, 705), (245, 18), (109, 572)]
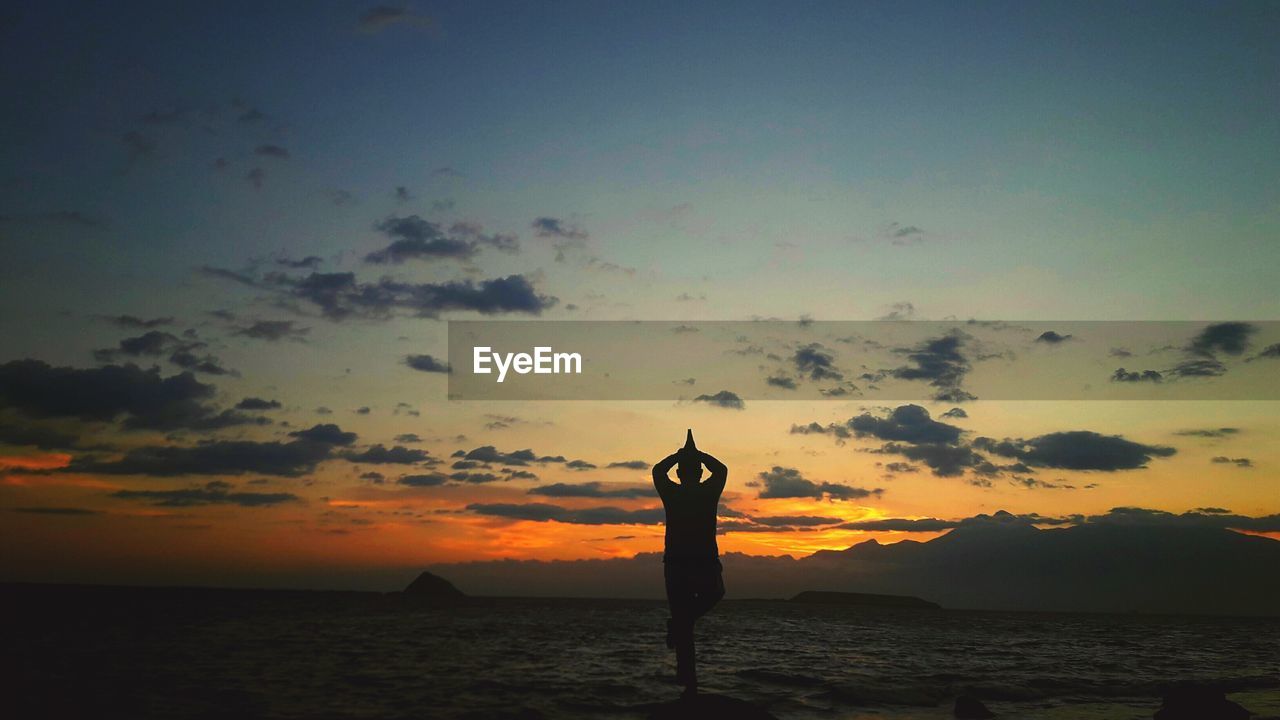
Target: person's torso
[(691, 523)]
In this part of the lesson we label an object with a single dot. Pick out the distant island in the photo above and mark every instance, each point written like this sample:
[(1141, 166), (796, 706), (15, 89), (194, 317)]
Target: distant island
[(831, 597), (429, 586)]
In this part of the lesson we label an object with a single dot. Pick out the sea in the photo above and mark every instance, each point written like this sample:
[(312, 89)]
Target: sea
[(73, 651)]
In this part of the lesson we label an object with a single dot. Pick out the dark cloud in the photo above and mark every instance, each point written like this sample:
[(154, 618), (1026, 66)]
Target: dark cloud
[(374, 477), (37, 436), (408, 438), (724, 399), (208, 364), (490, 454), (274, 151), (428, 480), (56, 511), (475, 478), (591, 489), (1238, 462), (1231, 338), (907, 423), (325, 434), (549, 227), (955, 412), (380, 454), (134, 322), (213, 493), (783, 482), (541, 512), (426, 363), (943, 460), (272, 330), (1122, 375), (1050, 337), (1198, 368), (579, 465), (840, 431), (255, 403), (630, 464), (817, 362), (775, 521), (381, 17), (340, 296), (310, 262), (402, 194), (781, 381), (221, 457), (939, 362), (1270, 352), (1077, 450), (1209, 432), (143, 398), (418, 239)]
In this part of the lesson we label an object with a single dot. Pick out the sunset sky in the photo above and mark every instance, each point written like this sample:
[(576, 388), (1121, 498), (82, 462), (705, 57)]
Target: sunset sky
[(233, 237)]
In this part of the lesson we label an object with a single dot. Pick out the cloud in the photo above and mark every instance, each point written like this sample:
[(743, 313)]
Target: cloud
[(310, 262), (1209, 432), (1052, 338), (724, 399), (629, 464), (273, 151), (955, 412), (1198, 368), (541, 512), (817, 362), (943, 460), (1122, 375), (784, 482), (426, 363), (1231, 338), (579, 465), (380, 17), (1270, 352), (220, 457), (418, 239), (326, 434), (213, 493), (380, 455), (1077, 450), (340, 296), (490, 454), (776, 521), (37, 436), (56, 511), (591, 489), (428, 480), (549, 227), (254, 403), (1238, 462), (907, 423), (902, 524), (143, 398), (134, 322), (781, 381), (272, 330), (939, 362)]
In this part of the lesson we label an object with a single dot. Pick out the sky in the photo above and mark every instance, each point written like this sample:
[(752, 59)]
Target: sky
[(233, 238)]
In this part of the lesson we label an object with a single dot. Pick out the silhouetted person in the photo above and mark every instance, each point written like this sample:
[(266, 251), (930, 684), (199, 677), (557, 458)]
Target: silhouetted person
[(691, 563)]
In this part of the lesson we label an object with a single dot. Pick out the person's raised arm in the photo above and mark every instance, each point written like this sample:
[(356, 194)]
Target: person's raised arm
[(660, 479), (719, 473)]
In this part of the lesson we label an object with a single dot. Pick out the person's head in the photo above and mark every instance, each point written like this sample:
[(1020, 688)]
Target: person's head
[(689, 465)]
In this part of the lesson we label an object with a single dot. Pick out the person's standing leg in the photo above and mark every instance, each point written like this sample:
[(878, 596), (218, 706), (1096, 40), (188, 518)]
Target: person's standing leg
[(680, 599)]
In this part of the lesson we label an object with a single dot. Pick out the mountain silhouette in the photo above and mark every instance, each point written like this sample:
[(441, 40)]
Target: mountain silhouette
[(997, 565)]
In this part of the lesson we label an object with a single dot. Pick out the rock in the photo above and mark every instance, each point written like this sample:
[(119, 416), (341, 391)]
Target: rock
[(699, 707), (432, 587), (971, 708), (1197, 702)]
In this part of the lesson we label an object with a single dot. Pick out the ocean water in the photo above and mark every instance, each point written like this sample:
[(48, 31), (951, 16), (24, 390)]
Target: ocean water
[(177, 654)]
